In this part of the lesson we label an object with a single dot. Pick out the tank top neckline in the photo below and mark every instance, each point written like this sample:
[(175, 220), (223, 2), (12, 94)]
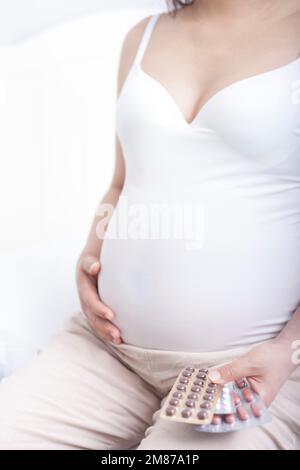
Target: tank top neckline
[(137, 68)]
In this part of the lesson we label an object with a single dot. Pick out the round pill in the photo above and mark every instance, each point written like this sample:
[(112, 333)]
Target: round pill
[(242, 413), (186, 373), (201, 375), (181, 387), (204, 371), (186, 413), (177, 395), (195, 389), (256, 410), (205, 405), (208, 397), (190, 369), (170, 411), (247, 394), (210, 391), (190, 403), (183, 380), (193, 396), (212, 385), (229, 419), (202, 415), (174, 402), (217, 420), (199, 382)]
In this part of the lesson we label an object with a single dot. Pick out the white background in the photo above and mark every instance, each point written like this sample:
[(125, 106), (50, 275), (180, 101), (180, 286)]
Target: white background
[(58, 71)]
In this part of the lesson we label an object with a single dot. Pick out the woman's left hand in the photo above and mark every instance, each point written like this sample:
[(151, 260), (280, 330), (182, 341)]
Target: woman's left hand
[(266, 366)]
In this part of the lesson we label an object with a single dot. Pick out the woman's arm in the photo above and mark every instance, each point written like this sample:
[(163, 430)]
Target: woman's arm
[(268, 365), (94, 243), (100, 316), (128, 53), (291, 332)]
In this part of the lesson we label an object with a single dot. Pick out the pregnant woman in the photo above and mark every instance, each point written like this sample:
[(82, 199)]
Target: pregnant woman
[(208, 118)]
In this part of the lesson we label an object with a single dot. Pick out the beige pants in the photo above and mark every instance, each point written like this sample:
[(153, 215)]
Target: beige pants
[(83, 393)]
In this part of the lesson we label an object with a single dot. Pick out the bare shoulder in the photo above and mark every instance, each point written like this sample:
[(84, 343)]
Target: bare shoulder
[(135, 33), (295, 23), (129, 48)]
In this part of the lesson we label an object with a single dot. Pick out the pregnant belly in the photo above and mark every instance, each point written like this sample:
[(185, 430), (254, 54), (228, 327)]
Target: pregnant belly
[(240, 287)]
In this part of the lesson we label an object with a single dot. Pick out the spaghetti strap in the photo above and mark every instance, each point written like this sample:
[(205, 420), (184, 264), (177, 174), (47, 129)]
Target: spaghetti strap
[(145, 38)]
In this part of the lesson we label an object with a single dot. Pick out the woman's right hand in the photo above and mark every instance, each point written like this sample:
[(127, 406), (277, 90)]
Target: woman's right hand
[(99, 315)]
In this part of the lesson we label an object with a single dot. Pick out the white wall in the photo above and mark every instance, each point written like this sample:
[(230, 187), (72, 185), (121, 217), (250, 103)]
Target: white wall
[(20, 19), (57, 112)]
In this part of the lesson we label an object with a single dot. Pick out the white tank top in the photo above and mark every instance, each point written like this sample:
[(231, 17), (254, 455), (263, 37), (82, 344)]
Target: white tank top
[(239, 161)]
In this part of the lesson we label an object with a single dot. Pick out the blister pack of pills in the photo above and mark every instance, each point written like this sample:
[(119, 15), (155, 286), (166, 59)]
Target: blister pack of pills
[(225, 404), (213, 408), (249, 411), (192, 398)]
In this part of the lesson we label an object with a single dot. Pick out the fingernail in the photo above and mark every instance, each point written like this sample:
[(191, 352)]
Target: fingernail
[(115, 339), (215, 376), (109, 316)]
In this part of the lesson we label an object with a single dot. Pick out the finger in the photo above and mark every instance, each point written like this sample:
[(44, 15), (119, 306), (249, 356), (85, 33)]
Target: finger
[(262, 390), (90, 298), (101, 329), (107, 330), (230, 372), (91, 265)]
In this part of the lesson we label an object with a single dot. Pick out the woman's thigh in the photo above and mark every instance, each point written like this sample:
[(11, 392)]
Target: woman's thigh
[(75, 395)]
